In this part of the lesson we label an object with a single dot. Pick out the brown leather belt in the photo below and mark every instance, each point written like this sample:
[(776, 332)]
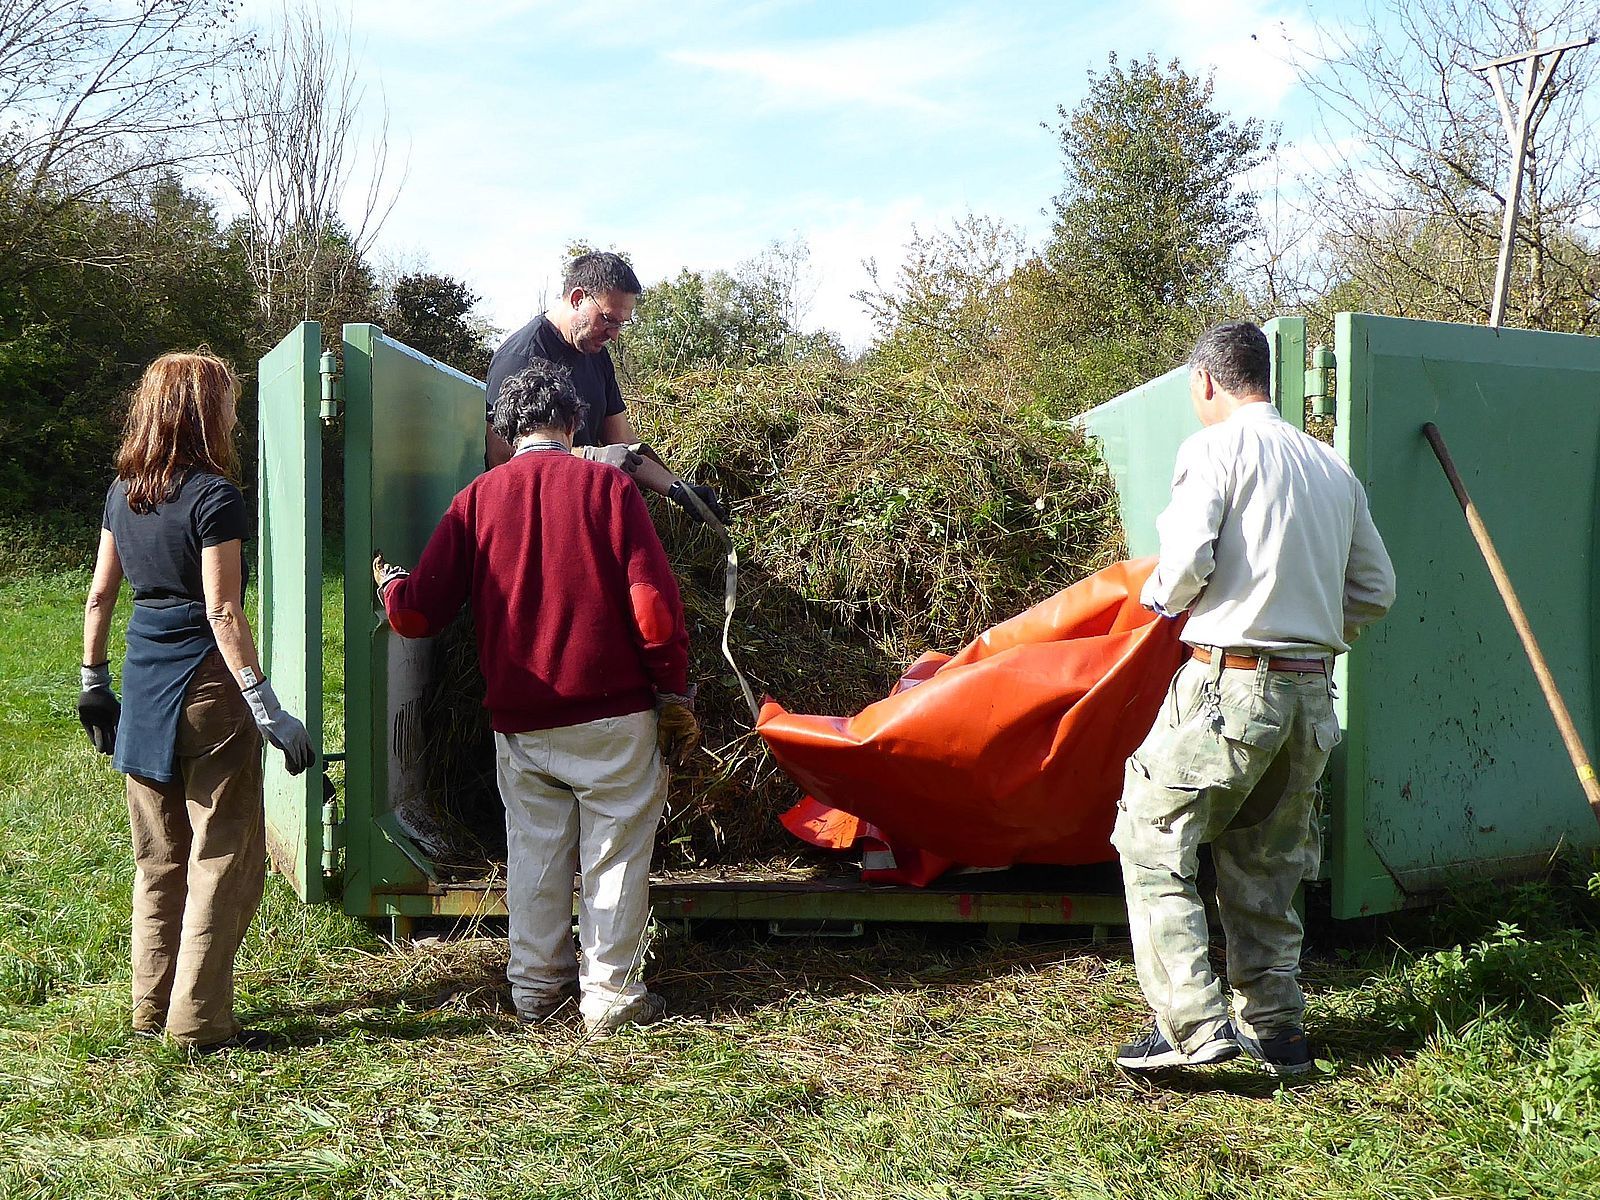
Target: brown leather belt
[(1249, 662)]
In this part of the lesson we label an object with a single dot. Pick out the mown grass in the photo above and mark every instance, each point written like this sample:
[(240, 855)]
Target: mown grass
[(1463, 1047)]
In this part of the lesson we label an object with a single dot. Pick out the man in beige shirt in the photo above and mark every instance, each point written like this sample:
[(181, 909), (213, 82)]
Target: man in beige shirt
[(1269, 545)]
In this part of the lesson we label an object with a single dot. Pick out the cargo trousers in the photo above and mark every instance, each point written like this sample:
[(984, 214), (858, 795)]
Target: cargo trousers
[(1232, 761), (199, 848), (580, 799)]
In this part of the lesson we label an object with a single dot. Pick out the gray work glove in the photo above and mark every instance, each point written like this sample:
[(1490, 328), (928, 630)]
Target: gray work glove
[(617, 455), (98, 708), (677, 729), (280, 728), (707, 496)]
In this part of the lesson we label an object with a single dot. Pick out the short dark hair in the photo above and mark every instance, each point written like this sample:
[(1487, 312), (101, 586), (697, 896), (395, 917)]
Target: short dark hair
[(540, 396), (1237, 356), (600, 271)]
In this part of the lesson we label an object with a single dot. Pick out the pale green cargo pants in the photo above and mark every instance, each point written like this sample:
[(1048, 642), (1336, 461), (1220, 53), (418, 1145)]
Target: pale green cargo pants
[(1232, 760)]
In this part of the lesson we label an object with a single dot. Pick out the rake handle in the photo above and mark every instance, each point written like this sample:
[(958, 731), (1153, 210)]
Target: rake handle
[(1519, 621)]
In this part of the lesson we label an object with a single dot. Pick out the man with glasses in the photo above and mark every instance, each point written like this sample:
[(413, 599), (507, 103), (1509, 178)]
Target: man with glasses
[(598, 295)]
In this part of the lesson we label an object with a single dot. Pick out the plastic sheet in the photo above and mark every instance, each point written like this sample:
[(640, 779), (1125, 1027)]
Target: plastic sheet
[(1010, 751)]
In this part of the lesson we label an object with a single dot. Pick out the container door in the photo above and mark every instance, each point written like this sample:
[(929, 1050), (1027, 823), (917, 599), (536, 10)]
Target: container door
[(414, 437), (1451, 764), (1140, 431), (290, 583)]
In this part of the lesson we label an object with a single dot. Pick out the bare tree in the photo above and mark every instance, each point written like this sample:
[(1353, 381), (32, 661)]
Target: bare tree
[(293, 152), (1410, 207), (94, 99)]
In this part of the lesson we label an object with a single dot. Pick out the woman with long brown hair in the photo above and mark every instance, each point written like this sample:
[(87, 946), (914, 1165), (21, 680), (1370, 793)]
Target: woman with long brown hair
[(193, 699)]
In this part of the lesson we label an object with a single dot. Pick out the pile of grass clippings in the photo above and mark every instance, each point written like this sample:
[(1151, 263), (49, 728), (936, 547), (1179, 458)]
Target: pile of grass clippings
[(876, 517)]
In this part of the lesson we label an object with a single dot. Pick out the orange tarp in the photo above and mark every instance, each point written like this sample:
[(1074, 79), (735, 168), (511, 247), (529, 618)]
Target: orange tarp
[(1010, 751)]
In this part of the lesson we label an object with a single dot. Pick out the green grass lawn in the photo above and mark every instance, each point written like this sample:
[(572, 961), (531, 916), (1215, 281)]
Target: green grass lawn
[(1462, 1048)]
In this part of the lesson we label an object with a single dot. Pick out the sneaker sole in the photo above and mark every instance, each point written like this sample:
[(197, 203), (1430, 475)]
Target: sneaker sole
[(1205, 1056)]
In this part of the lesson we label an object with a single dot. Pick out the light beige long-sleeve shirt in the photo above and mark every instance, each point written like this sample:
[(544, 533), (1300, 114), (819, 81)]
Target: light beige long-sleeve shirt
[(1269, 538)]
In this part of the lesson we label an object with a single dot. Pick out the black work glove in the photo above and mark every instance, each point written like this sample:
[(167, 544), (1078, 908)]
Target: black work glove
[(98, 708), (707, 495)]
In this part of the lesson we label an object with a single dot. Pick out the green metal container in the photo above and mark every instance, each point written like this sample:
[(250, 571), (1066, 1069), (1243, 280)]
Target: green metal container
[(413, 433), (1451, 768)]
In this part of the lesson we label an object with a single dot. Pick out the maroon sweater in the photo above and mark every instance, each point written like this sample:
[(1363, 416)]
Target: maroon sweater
[(578, 616)]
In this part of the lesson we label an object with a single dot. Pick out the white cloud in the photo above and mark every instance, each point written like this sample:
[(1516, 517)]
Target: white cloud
[(910, 69)]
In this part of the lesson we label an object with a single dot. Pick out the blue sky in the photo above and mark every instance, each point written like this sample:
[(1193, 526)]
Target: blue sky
[(694, 133)]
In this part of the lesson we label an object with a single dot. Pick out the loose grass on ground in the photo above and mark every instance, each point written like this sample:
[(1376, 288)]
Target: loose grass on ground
[(1464, 1048)]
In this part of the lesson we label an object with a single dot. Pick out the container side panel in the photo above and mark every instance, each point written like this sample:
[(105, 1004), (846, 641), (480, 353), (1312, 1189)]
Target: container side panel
[(1140, 431), (290, 583), (422, 441), (1462, 770)]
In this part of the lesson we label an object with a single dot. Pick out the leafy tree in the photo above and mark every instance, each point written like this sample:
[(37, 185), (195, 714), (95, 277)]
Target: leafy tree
[(1411, 215), (75, 335), (433, 313), (1153, 209), (749, 317)]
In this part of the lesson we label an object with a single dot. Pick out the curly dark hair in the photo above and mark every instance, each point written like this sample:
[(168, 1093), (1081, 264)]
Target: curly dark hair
[(540, 396)]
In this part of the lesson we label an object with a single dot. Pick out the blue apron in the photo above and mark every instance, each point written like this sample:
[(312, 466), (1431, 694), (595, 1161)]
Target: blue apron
[(165, 647)]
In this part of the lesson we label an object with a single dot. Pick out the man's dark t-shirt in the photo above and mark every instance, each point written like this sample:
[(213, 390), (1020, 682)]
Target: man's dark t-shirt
[(592, 374), (160, 550)]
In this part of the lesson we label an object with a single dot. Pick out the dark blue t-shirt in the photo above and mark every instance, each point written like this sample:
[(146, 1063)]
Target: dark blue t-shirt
[(593, 375), (160, 550)]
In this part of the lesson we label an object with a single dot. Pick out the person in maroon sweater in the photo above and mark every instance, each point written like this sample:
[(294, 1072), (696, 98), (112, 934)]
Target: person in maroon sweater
[(584, 651)]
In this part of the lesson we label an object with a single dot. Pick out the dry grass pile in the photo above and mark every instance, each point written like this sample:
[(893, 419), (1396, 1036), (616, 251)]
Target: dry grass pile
[(875, 517)]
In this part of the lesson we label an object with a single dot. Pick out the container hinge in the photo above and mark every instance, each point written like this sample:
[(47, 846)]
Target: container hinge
[(332, 831), (332, 387), (1320, 383)]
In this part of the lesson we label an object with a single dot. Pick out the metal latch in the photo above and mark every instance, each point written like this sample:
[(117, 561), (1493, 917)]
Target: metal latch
[(1320, 391), (332, 387)]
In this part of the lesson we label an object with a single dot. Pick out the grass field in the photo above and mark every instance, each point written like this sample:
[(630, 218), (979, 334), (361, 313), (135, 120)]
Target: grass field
[(1462, 1049)]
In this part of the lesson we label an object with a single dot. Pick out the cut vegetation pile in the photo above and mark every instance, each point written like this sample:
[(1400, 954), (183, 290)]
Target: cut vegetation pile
[(875, 518)]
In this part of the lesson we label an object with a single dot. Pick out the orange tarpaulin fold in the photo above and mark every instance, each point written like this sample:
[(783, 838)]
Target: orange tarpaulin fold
[(1011, 751)]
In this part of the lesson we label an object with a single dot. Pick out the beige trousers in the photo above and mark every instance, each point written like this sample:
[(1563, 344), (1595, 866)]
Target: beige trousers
[(581, 798), (199, 844)]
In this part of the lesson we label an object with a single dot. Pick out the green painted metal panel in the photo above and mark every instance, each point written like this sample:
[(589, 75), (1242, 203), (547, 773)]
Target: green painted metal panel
[(414, 437), (1140, 431), (290, 583), (1452, 766)]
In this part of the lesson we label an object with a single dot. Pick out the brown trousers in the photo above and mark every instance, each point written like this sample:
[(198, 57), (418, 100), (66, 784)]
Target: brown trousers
[(200, 846)]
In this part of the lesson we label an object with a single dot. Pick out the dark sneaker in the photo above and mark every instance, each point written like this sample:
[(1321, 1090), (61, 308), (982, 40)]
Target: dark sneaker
[(1154, 1053), (1283, 1053), (245, 1039), (541, 1011), (646, 1010)]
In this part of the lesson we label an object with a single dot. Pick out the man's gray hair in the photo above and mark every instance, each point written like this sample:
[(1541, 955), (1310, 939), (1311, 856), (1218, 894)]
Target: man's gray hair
[(1237, 356), (540, 396), (599, 272)]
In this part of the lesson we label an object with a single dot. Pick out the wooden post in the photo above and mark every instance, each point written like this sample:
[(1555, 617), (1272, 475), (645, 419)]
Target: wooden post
[(1519, 620)]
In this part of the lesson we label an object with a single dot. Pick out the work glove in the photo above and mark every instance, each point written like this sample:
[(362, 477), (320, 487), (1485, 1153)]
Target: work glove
[(280, 728), (617, 455), (98, 709), (385, 573), (677, 730), (678, 494)]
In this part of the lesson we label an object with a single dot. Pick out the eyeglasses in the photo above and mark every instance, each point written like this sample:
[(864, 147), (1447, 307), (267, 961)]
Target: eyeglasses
[(610, 321)]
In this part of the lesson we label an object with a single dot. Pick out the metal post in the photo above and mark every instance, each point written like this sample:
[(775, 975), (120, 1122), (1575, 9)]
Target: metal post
[(1519, 132)]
